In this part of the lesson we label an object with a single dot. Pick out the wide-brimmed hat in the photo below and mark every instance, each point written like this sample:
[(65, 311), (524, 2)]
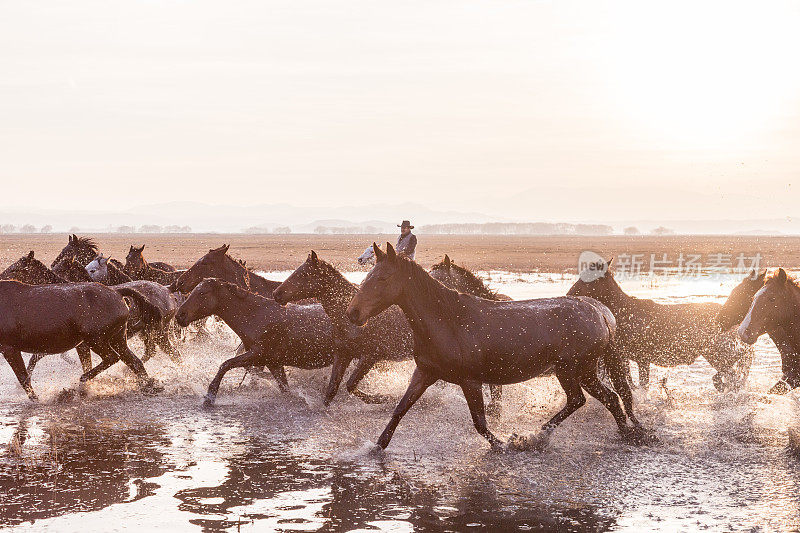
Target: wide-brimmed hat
[(405, 224)]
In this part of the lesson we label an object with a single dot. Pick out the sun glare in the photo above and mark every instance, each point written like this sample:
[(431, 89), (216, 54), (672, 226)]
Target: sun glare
[(704, 75)]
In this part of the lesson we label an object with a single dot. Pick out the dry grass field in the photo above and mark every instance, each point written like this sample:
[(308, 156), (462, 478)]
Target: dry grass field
[(483, 252)]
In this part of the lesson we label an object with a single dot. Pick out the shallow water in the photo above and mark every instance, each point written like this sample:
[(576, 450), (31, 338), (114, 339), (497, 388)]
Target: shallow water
[(263, 461)]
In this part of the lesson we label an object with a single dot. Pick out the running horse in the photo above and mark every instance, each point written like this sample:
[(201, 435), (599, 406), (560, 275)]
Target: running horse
[(735, 309), (55, 318), (469, 341), (776, 306), (669, 335), (273, 336)]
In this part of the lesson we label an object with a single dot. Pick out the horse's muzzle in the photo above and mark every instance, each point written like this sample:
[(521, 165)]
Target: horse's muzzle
[(354, 315), (746, 335)]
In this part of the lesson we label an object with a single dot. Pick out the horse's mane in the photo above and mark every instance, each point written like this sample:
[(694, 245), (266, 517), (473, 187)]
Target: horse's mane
[(430, 288), (236, 290), (475, 285), (85, 242)]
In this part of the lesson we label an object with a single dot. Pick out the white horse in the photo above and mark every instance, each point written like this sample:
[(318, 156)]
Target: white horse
[(368, 257), (98, 268)]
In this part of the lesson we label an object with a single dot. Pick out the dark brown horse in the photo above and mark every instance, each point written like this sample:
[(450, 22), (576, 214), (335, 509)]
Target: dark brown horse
[(386, 337), (468, 341), (83, 249), (136, 263), (218, 264), (58, 317), (669, 335), (775, 306), (273, 336), (733, 312)]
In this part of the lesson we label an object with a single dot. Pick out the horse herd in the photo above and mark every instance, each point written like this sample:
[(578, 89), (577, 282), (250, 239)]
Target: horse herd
[(446, 319)]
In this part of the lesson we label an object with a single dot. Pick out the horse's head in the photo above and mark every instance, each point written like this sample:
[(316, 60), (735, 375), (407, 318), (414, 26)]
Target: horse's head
[(200, 303), (381, 288), (307, 281), (28, 269), (738, 303), (603, 288), (215, 264), (772, 307), (134, 261), (83, 249), (98, 268)]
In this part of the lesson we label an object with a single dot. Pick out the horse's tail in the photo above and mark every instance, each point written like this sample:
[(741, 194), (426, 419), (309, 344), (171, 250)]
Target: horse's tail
[(616, 365), (149, 312)]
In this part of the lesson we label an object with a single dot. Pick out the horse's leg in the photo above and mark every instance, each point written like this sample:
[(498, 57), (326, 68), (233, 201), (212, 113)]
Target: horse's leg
[(592, 384), (107, 359), (85, 356), (362, 368), (163, 340), (17, 364), (119, 344), (575, 399), (279, 373), (248, 358), (35, 358), (420, 381), (340, 364), (495, 404), (473, 392)]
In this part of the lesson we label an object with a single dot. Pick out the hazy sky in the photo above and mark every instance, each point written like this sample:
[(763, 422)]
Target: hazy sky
[(455, 104)]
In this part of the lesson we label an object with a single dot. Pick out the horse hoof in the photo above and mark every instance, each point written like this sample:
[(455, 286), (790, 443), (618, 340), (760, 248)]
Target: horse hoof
[(208, 403)]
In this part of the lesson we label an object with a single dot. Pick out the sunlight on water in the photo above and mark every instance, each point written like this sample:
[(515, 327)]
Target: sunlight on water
[(265, 461)]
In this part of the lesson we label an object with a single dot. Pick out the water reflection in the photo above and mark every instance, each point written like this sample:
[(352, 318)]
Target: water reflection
[(53, 466)]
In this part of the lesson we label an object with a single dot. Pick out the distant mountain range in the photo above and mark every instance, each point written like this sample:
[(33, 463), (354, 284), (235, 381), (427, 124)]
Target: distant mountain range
[(372, 218)]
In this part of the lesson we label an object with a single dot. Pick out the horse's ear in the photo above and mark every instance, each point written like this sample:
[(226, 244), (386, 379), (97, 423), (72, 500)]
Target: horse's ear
[(103, 260), (30, 254), (74, 237), (762, 275), (446, 260), (129, 251), (782, 277), (141, 248), (313, 256), (390, 253), (379, 254), (608, 263)]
